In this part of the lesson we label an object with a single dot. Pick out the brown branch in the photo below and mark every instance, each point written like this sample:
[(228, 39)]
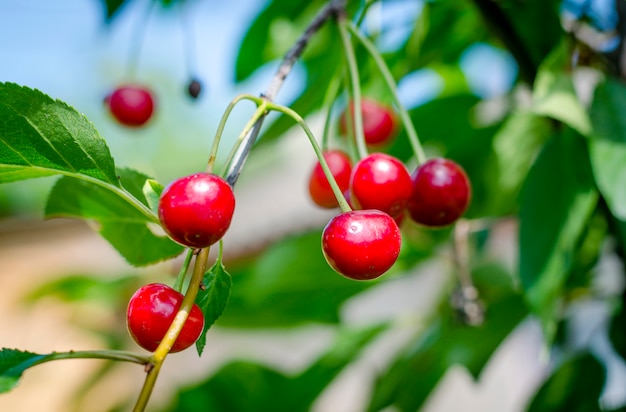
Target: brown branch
[(332, 8)]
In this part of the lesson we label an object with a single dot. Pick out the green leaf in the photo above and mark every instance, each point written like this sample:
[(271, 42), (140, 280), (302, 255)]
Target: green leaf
[(554, 94), (40, 137), (607, 145), (446, 341), (245, 386), (75, 288), (575, 386), (293, 275), (213, 297), (515, 147), (152, 191), (557, 199), (112, 9), (119, 221), (13, 363)]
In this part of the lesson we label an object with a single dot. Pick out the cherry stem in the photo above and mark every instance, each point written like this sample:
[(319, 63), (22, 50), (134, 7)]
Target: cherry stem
[(221, 126), (331, 9), (116, 355), (341, 200), (182, 273), (329, 99), (189, 43), (234, 161), (355, 86), (391, 85), (137, 41), (161, 352)]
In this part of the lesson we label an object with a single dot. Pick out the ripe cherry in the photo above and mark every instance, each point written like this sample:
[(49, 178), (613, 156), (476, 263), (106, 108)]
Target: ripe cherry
[(380, 181), (196, 210), (361, 244), (441, 193), (151, 311), (319, 188), (379, 122), (131, 105)]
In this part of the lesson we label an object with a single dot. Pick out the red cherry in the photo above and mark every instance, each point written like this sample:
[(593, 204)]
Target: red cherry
[(196, 210), (380, 181), (131, 105), (441, 193), (361, 244), (319, 188), (151, 311), (379, 122)]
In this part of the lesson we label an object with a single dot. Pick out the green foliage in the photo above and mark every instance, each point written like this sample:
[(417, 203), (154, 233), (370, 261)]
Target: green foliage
[(293, 275), (13, 363), (549, 235), (243, 386), (447, 341), (554, 95), (119, 222), (556, 165), (212, 298), (43, 137), (574, 386)]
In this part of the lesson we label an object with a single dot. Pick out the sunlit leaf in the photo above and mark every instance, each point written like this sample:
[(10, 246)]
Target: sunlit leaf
[(119, 222), (608, 145), (554, 94), (212, 298), (557, 199), (40, 137), (246, 386)]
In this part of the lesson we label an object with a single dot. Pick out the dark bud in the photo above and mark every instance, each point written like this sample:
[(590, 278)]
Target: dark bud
[(194, 88)]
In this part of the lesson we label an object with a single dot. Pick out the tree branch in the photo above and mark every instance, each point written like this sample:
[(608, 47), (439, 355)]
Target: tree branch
[(331, 9)]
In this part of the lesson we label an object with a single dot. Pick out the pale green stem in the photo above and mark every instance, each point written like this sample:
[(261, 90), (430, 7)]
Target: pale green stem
[(161, 352), (221, 126), (391, 85), (343, 204), (120, 191), (258, 114), (115, 355), (331, 95), (355, 86), (182, 273)]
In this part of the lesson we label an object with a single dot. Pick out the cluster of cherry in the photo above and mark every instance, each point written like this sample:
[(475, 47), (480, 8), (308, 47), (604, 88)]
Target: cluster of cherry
[(364, 243)]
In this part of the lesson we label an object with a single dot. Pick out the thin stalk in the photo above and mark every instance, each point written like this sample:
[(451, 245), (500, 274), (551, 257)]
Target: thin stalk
[(343, 204), (189, 43), (121, 192), (221, 126), (331, 95), (161, 352), (391, 85), (137, 41), (182, 273), (355, 86), (115, 355), (233, 159)]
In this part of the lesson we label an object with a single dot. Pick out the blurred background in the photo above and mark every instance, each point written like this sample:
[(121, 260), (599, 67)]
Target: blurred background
[(295, 333)]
